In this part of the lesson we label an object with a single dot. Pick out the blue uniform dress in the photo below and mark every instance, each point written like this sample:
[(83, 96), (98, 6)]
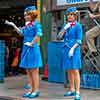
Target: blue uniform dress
[(72, 35), (31, 56)]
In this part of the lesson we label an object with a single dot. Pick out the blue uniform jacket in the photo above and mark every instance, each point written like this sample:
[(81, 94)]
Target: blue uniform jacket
[(73, 35), (30, 31)]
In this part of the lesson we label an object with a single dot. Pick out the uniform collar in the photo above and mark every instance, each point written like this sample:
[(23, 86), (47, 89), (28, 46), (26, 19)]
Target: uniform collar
[(72, 23), (30, 23)]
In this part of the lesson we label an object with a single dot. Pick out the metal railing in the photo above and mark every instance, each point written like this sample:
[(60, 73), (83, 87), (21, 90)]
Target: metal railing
[(93, 60)]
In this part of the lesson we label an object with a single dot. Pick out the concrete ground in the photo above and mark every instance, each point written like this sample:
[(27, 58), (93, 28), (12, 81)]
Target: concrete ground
[(13, 87)]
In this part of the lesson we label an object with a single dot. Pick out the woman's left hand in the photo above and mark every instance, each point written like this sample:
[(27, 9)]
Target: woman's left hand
[(28, 44), (71, 52)]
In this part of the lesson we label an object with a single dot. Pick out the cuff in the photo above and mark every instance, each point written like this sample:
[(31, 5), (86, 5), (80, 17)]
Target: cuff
[(39, 34), (79, 42)]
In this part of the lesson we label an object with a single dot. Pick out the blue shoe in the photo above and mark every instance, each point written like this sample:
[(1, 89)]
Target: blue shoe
[(77, 97), (27, 86), (69, 93), (34, 95), (26, 95)]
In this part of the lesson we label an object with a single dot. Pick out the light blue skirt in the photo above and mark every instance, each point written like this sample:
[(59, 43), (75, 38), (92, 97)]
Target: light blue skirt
[(31, 57)]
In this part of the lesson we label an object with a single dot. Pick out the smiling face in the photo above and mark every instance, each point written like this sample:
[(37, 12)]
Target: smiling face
[(27, 17), (71, 17), (30, 15)]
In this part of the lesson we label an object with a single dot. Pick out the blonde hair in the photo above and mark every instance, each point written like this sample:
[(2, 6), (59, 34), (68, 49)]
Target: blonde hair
[(33, 14)]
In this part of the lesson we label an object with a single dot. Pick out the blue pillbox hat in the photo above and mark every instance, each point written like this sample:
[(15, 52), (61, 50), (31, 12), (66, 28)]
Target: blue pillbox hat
[(30, 8), (71, 10)]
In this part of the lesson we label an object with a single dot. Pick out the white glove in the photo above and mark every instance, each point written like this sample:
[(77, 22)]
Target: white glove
[(9, 23), (12, 24), (28, 44), (71, 52), (67, 26)]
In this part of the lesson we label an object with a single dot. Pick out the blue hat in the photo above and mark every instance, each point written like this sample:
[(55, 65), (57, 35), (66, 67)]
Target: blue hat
[(30, 8), (71, 10)]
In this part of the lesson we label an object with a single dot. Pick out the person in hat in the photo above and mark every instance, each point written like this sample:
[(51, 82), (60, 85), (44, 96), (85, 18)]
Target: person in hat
[(72, 34), (31, 56)]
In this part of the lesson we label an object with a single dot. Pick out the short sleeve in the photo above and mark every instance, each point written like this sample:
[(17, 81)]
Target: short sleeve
[(38, 29), (79, 33)]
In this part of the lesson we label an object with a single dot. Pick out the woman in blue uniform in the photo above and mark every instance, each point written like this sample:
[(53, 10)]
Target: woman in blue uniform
[(31, 55), (72, 56)]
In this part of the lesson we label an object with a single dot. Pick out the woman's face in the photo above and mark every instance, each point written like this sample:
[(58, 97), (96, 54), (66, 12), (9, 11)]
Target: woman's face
[(27, 17), (71, 17)]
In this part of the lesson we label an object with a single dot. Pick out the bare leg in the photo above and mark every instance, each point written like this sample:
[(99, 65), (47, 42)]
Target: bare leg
[(35, 79), (77, 80), (71, 80), (29, 77)]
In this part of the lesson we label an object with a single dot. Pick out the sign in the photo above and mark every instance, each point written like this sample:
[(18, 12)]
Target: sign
[(66, 2)]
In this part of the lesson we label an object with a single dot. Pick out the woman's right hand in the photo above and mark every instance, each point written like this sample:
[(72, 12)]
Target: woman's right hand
[(12, 24)]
